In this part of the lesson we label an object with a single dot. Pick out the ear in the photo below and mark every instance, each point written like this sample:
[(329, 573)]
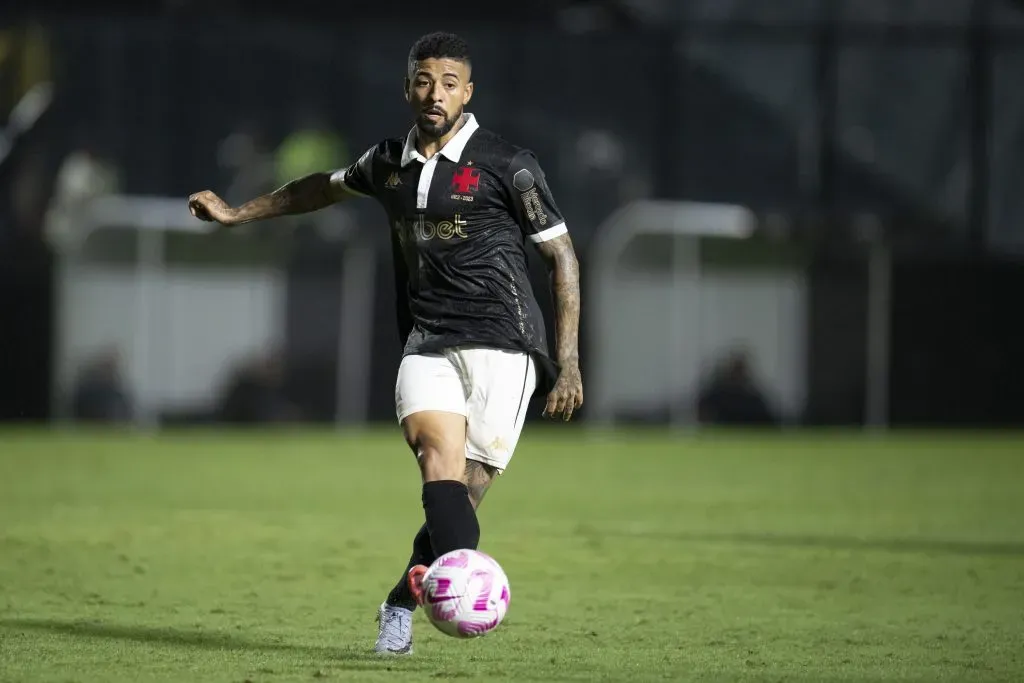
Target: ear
[(467, 94), (407, 83)]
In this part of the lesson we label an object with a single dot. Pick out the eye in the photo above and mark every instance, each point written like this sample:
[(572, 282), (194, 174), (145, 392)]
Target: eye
[(451, 85)]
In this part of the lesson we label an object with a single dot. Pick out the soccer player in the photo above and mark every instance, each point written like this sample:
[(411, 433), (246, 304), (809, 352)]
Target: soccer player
[(462, 202)]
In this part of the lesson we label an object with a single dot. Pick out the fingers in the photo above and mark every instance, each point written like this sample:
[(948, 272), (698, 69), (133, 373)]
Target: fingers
[(573, 402), (551, 407), (199, 205), (197, 209), (556, 403), (563, 400), (563, 407)]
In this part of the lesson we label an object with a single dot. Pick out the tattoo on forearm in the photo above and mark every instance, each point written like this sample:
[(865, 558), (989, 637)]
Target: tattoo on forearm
[(478, 479), (565, 280), (306, 194)]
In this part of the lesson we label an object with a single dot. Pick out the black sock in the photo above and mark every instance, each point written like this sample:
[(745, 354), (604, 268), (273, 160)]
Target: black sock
[(451, 519), (422, 553)]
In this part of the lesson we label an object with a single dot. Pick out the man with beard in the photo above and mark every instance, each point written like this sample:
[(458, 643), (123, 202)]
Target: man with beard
[(461, 202)]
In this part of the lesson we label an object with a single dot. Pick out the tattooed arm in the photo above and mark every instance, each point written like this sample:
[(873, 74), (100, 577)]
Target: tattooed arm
[(310, 193), (567, 394), (534, 208)]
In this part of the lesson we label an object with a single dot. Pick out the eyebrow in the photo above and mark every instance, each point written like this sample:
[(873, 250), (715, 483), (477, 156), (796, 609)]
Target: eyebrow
[(452, 74)]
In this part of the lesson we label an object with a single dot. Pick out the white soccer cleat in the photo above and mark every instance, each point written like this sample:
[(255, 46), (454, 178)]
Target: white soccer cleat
[(394, 634)]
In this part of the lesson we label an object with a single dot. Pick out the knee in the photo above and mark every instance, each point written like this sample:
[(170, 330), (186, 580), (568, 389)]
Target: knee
[(439, 460), (439, 441)]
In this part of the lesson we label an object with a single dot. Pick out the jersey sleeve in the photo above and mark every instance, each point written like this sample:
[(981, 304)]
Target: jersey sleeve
[(532, 203), (357, 179)]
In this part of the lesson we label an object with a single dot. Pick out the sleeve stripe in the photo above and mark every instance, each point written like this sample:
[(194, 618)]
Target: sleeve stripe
[(351, 191), (550, 233), (338, 179)]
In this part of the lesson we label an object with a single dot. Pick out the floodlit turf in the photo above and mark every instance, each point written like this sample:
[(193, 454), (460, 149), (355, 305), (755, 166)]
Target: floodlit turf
[(210, 556)]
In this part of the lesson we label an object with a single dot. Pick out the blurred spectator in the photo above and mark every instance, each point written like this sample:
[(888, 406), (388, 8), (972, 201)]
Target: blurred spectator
[(255, 393), (732, 397), (247, 159), (312, 146), (99, 394), (85, 174)]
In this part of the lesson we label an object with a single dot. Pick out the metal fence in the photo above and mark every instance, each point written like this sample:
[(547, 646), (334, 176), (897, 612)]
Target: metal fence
[(812, 121)]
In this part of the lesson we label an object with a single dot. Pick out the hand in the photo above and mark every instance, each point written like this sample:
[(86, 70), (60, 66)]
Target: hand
[(567, 395), (207, 206)]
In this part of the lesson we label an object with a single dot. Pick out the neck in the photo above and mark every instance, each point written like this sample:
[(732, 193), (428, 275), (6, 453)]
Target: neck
[(429, 146)]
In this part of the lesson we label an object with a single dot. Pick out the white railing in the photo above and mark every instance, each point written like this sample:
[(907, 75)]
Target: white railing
[(657, 320), (180, 328)]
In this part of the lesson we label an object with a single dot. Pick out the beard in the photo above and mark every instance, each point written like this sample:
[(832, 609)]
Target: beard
[(439, 129)]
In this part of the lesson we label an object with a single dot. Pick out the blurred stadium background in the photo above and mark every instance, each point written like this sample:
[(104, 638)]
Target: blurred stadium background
[(798, 212), (789, 213)]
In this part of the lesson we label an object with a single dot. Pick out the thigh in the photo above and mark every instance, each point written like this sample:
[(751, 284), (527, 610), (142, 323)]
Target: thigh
[(438, 439), (500, 384), (428, 382)]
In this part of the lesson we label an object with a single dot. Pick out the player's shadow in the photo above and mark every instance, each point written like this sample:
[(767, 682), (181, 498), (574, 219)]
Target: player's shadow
[(936, 546), (207, 640)]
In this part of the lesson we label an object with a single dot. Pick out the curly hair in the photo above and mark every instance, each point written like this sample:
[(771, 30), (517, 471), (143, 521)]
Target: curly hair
[(439, 45)]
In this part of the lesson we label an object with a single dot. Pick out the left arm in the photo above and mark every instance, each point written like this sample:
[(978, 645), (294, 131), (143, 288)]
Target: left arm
[(561, 259), (542, 223)]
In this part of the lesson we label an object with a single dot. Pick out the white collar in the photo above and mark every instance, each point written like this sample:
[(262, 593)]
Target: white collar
[(452, 149)]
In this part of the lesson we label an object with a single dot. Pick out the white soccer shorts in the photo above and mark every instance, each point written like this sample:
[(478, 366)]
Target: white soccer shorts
[(491, 387)]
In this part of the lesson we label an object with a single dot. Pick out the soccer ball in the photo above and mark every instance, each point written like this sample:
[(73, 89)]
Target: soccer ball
[(465, 593)]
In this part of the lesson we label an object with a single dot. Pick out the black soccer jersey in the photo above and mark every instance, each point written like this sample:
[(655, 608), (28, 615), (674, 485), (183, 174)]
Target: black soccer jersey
[(459, 222)]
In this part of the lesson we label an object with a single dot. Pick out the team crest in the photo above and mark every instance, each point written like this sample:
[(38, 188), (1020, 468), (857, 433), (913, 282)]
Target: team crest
[(393, 181), (465, 183)]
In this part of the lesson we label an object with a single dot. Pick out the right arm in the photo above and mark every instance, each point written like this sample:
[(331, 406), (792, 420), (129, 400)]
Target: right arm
[(304, 195), (311, 193)]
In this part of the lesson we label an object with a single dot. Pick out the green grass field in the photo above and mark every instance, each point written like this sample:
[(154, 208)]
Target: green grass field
[(209, 556)]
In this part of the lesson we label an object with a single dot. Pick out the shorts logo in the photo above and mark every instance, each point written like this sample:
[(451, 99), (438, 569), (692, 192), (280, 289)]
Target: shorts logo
[(498, 445)]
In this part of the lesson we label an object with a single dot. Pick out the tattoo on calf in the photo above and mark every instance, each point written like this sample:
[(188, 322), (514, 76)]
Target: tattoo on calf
[(478, 479)]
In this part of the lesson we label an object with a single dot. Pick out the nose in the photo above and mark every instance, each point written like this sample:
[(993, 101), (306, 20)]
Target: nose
[(436, 92)]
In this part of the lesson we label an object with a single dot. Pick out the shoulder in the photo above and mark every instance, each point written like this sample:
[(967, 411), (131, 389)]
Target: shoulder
[(387, 151), (364, 174), (502, 156)]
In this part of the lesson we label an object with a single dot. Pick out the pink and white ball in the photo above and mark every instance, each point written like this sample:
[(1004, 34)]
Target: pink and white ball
[(465, 593)]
